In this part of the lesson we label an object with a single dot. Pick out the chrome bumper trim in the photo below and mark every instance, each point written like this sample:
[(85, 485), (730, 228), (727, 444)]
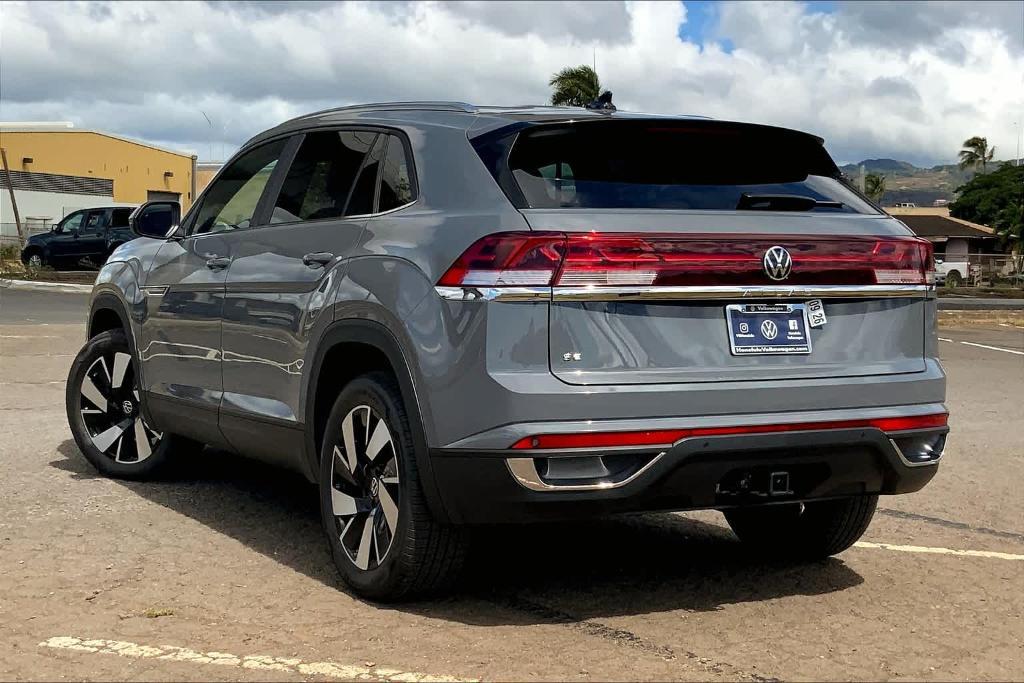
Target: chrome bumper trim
[(525, 472), (494, 293), (909, 463)]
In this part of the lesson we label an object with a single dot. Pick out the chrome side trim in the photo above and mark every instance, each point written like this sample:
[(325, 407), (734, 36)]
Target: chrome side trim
[(155, 290), (739, 292), (525, 472), (494, 293), (908, 463)]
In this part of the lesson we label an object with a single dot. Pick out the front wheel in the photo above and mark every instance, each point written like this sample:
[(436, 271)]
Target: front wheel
[(104, 411), (383, 538), (811, 530)]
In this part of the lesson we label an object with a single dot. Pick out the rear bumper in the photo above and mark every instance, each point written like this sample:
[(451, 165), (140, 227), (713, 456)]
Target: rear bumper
[(494, 486)]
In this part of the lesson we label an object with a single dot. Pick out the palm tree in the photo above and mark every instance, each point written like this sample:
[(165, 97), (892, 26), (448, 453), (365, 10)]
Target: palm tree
[(575, 86), (874, 186), (976, 153)]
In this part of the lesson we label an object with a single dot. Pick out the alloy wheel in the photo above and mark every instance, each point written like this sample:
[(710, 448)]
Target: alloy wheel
[(110, 408), (365, 492), (35, 261)]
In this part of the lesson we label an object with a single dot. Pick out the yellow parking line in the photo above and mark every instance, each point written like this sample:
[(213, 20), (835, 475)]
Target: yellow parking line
[(263, 662), (939, 551)]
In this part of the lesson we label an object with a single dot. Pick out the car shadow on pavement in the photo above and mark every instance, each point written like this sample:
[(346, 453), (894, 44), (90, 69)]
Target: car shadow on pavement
[(542, 573)]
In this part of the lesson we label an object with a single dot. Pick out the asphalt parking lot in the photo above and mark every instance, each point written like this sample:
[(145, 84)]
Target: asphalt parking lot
[(220, 571)]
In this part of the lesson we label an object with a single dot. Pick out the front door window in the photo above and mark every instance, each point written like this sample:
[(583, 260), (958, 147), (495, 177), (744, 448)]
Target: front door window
[(230, 202)]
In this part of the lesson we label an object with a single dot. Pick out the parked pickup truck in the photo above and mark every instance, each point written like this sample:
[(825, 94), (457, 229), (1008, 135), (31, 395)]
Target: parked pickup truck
[(85, 234), (951, 273)]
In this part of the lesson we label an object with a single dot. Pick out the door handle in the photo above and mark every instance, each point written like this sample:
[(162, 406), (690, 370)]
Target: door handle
[(318, 259), (214, 262)]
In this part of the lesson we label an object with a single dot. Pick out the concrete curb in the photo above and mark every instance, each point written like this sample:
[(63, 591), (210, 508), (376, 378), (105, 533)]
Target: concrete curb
[(66, 287), (1008, 305)]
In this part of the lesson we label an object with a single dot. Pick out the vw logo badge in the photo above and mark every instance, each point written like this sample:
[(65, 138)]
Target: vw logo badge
[(769, 329), (127, 407), (777, 263)]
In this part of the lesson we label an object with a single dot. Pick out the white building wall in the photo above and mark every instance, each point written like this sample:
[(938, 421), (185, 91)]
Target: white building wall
[(39, 210)]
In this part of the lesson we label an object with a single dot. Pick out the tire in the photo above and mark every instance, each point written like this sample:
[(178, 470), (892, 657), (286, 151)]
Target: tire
[(384, 541), (34, 259), (954, 279), (806, 531), (113, 436)]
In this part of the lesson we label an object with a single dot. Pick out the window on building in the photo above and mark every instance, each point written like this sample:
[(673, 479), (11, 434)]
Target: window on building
[(230, 202), (321, 176)]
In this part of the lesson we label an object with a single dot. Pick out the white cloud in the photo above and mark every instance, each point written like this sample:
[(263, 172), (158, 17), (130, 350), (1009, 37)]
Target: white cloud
[(871, 89)]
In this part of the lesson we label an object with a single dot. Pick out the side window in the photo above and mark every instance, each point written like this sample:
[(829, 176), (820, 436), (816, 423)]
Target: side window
[(120, 218), (230, 201), (95, 221), (395, 183), (363, 194), (72, 222), (321, 176)]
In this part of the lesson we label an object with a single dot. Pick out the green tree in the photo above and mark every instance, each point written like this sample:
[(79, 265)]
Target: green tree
[(995, 199), (975, 153), (574, 86), (874, 186)]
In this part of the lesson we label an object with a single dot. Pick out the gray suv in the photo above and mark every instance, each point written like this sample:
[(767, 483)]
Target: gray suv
[(448, 315)]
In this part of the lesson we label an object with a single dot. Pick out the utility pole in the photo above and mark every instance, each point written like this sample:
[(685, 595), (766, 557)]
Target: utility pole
[(14, 200)]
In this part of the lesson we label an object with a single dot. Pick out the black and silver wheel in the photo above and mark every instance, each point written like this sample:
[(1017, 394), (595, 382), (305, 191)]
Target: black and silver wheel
[(383, 538), (104, 410), (35, 260), (365, 488), (803, 531)]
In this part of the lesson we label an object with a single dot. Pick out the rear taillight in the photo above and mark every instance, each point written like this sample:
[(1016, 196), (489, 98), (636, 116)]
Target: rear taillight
[(665, 437), (593, 259)]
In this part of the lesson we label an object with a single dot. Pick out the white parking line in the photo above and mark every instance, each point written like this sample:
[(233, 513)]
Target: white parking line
[(983, 346), (262, 662), (939, 551)]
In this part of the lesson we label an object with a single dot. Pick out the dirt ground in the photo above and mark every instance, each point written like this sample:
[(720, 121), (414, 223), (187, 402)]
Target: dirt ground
[(220, 572)]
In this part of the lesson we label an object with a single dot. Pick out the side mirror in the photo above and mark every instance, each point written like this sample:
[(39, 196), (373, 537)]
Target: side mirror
[(54, 228), (155, 219)]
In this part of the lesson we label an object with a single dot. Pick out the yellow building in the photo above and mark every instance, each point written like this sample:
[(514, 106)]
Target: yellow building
[(56, 169)]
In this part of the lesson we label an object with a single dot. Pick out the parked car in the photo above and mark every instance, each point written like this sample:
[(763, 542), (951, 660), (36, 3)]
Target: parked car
[(447, 315), (951, 273), (85, 234)]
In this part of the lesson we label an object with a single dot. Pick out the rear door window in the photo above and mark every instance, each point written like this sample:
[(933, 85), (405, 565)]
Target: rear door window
[(395, 179), (677, 165), (363, 199), (120, 218), (321, 176)]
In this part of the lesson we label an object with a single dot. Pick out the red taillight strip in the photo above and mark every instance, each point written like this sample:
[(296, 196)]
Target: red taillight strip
[(666, 437)]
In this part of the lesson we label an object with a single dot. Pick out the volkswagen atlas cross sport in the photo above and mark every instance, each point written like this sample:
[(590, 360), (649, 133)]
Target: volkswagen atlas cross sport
[(449, 315)]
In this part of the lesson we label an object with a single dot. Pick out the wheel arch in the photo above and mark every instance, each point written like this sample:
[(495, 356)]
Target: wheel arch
[(364, 345)]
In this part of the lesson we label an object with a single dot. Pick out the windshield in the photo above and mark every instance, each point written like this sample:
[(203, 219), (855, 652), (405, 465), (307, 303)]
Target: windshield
[(677, 165)]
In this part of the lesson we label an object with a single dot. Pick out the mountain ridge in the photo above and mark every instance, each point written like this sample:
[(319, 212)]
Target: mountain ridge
[(905, 182)]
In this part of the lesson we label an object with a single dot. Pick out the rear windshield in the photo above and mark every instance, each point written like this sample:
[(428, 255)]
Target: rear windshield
[(675, 165)]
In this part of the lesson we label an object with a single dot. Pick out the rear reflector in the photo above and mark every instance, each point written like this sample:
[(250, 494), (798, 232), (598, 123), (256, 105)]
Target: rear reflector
[(666, 437), (544, 259)]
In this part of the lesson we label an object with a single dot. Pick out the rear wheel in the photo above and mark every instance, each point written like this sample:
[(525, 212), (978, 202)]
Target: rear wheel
[(804, 530), (954, 279), (104, 411), (383, 539)]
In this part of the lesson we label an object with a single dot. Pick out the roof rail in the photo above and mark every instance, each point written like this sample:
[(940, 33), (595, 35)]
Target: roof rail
[(385, 106)]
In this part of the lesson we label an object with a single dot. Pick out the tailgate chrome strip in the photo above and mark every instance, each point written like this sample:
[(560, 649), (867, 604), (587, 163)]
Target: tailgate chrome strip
[(741, 292), (653, 293)]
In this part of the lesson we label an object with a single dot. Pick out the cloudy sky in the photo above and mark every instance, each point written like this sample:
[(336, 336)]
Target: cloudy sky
[(905, 80)]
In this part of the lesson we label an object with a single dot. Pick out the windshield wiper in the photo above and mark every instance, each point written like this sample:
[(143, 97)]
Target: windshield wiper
[(783, 202)]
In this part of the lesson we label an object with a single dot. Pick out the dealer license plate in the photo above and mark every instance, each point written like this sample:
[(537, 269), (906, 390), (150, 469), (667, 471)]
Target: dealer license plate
[(763, 329)]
